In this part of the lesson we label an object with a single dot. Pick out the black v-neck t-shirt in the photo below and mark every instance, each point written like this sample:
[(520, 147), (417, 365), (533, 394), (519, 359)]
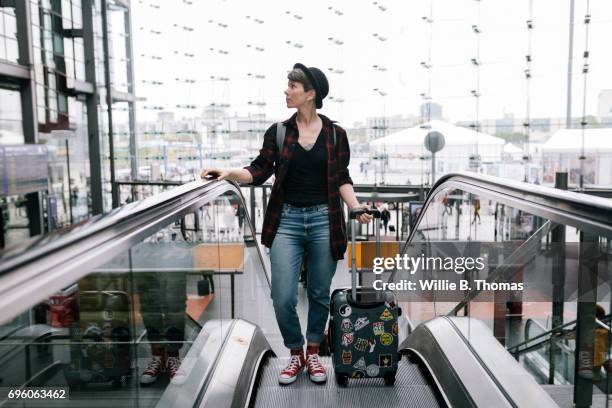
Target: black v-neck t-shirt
[(306, 180)]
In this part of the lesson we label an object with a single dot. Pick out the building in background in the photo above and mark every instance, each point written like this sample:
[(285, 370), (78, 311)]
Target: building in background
[(66, 109), (512, 128), (380, 126), (431, 111)]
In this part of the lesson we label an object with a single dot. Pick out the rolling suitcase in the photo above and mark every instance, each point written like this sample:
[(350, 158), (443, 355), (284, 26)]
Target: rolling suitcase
[(363, 326), (101, 350)]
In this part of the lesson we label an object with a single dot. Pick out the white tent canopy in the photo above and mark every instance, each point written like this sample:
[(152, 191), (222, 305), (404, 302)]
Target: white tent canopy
[(464, 149), (566, 140), (453, 135), (512, 149)]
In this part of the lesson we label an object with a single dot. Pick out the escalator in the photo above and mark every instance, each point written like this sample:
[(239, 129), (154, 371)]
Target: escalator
[(196, 243), (549, 355)]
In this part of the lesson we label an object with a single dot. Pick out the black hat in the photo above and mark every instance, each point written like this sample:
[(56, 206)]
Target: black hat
[(318, 80)]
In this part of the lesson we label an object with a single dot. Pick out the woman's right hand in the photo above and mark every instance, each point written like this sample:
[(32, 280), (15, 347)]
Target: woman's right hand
[(215, 174)]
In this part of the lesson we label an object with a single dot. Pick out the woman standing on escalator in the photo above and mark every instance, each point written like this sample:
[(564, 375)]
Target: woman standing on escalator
[(304, 212)]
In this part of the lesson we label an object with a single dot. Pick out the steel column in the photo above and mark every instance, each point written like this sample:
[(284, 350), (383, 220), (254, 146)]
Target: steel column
[(109, 102), (585, 325), (131, 90), (95, 164), (27, 92)]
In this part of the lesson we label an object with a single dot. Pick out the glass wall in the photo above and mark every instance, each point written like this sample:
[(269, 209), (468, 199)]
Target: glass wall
[(163, 304), (11, 130), (541, 286), (8, 35), (14, 217), (58, 52)]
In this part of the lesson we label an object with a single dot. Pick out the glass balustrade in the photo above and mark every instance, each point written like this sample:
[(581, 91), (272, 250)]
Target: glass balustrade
[(141, 326)]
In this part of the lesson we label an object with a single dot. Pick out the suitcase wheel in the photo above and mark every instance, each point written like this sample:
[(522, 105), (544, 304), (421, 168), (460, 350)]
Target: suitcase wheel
[(342, 379), (390, 378)]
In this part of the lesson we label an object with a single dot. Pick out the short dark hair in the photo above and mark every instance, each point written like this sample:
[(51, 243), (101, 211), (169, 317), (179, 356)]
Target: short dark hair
[(600, 312), (297, 75)]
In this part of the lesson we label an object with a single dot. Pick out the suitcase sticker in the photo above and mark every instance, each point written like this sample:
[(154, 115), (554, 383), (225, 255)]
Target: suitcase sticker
[(347, 339), (347, 325), (386, 339), (372, 370), (384, 360), (361, 344), (347, 357), (372, 344), (360, 364), (361, 322), (386, 315), (345, 311)]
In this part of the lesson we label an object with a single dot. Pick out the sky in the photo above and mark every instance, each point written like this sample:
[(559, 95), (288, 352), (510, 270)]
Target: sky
[(200, 39)]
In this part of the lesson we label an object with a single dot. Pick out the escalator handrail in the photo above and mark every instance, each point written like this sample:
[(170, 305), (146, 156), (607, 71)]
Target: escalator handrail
[(42, 245), (117, 230), (585, 207), (558, 329), (602, 325), (533, 193), (533, 321), (543, 343), (585, 212)]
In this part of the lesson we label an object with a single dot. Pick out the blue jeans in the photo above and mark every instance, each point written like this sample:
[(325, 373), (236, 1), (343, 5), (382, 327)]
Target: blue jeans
[(302, 229)]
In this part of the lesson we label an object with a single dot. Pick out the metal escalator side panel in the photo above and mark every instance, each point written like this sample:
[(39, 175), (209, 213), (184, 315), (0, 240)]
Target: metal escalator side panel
[(517, 383), (478, 372), (233, 377), (428, 373), (198, 364), (439, 345)]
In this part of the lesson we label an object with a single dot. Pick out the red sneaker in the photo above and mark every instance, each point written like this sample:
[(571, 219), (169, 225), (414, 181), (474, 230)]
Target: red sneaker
[(295, 366), (175, 372), (151, 373), (315, 368)]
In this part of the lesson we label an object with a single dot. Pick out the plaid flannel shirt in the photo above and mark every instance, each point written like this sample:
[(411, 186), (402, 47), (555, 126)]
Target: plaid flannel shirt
[(338, 157)]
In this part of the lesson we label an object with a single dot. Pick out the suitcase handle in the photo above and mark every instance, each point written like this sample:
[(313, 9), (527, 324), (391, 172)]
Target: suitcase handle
[(353, 214), (360, 302), (356, 212)]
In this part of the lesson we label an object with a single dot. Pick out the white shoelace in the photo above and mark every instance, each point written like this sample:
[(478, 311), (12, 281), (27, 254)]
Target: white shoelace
[(313, 360), (294, 363), (173, 363), (154, 364)]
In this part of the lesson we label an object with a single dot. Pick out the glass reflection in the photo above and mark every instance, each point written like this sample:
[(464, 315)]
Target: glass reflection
[(558, 326)]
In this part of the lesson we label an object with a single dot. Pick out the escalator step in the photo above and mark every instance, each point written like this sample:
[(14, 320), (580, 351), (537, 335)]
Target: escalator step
[(563, 395), (411, 389)]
